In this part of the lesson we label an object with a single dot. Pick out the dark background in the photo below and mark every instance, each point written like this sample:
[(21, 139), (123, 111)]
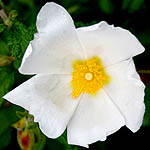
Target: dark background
[(129, 14)]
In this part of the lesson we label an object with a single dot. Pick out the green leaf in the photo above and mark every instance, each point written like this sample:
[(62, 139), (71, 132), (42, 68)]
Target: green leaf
[(21, 114), (41, 144), (20, 40), (136, 5), (132, 5), (2, 27), (1, 3), (13, 14), (7, 81), (146, 121), (8, 117), (29, 3), (125, 3), (73, 9), (106, 6), (5, 139), (4, 48)]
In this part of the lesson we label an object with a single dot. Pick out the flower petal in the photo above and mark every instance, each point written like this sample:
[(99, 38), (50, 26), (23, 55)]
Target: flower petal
[(111, 44), (55, 45), (127, 92), (49, 99), (95, 118)]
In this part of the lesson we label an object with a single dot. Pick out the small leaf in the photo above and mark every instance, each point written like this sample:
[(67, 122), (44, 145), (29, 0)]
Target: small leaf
[(2, 27), (106, 6), (13, 14), (73, 9), (21, 114)]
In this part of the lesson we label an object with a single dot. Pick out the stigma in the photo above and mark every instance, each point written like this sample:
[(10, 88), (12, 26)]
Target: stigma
[(88, 76)]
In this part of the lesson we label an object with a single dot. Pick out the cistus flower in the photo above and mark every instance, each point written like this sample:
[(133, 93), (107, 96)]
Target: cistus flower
[(85, 78)]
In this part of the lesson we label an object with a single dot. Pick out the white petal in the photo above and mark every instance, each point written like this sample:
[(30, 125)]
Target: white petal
[(49, 99), (55, 45), (127, 92), (111, 44), (95, 118)]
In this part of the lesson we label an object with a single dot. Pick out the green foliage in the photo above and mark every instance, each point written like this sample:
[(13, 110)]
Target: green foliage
[(29, 3), (125, 3), (40, 144), (4, 43), (73, 9), (63, 140), (136, 5), (2, 27), (13, 14), (20, 40), (21, 114), (106, 6), (5, 139), (132, 5), (6, 80), (8, 117), (15, 40)]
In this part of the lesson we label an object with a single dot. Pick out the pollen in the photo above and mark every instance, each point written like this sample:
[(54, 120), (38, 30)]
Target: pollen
[(88, 76)]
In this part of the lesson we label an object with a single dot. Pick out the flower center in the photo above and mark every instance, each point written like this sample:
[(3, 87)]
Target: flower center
[(88, 76)]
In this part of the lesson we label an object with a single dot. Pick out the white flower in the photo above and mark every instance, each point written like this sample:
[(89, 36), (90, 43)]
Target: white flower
[(86, 79)]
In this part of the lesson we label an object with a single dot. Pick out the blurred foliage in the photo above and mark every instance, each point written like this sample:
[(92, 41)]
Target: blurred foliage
[(7, 81), (106, 6), (17, 27)]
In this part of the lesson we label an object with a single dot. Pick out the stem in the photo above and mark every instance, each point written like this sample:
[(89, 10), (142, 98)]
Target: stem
[(3, 15), (5, 18)]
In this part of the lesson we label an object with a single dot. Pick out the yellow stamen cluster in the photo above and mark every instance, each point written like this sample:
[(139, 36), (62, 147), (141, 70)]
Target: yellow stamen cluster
[(88, 76)]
